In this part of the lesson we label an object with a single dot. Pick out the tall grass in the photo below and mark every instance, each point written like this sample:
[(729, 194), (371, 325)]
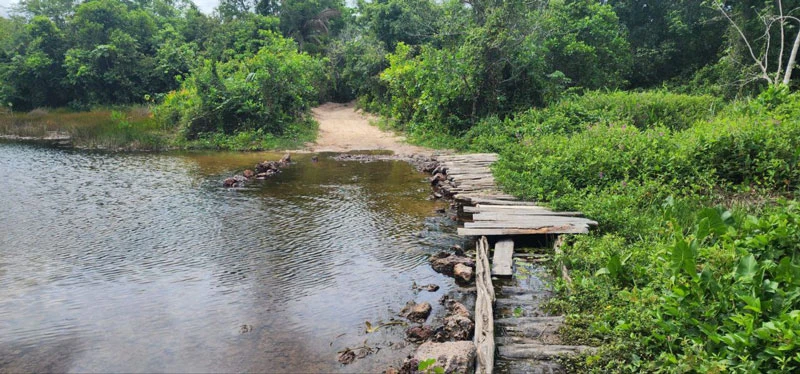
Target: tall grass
[(136, 129), (125, 129)]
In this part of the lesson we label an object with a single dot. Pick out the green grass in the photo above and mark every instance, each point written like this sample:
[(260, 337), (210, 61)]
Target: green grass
[(136, 129), (294, 137), (130, 128)]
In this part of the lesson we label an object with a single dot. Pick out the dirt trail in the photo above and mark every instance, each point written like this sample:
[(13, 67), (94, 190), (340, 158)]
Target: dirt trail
[(343, 129)]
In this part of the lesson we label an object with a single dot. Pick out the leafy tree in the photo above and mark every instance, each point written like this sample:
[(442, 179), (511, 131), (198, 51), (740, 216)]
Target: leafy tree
[(268, 7), (412, 22), (356, 61), (58, 11), (239, 37), (233, 9), (769, 37), (586, 43), (669, 39), (112, 57), (310, 22), (33, 73), (268, 91)]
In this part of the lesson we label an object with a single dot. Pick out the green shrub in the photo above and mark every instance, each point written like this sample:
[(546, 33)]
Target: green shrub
[(667, 283), (268, 91), (653, 108)]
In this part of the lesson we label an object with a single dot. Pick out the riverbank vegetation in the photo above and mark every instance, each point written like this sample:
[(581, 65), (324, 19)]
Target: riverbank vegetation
[(675, 125)]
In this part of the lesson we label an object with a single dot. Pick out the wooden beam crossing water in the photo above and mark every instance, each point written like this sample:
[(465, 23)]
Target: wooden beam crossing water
[(527, 344)]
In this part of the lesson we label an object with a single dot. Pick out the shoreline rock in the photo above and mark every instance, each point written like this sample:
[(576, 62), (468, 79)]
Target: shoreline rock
[(416, 312), (263, 170)]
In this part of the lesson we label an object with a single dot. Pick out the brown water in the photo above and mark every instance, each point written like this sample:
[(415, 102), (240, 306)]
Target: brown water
[(144, 263)]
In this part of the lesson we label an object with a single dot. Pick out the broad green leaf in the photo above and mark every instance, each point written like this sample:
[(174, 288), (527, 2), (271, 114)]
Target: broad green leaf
[(747, 269)]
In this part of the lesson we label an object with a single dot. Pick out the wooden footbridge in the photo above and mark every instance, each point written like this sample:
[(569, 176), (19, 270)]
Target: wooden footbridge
[(527, 340)]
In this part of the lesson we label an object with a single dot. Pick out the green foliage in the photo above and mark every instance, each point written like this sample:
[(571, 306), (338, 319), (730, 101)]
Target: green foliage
[(130, 128), (311, 22), (671, 281), (394, 21), (507, 57), (670, 38), (269, 91), (427, 366), (293, 137), (587, 44), (355, 62)]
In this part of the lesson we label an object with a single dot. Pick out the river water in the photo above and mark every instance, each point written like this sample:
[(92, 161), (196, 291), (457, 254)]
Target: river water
[(144, 263)]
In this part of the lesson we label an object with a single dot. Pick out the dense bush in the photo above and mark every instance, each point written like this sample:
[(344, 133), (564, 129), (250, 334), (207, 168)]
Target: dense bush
[(269, 91), (669, 282)]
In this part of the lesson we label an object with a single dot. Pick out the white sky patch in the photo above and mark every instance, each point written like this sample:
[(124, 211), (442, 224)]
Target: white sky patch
[(4, 7), (206, 6)]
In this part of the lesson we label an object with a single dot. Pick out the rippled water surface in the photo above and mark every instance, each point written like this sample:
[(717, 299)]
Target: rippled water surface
[(142, 262)]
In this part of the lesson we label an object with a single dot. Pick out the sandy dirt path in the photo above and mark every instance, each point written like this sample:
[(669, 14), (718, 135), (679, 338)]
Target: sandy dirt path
[(343, 129)]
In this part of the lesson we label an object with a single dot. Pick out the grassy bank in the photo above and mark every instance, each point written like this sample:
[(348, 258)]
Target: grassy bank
[(136, 129), (696, 264)]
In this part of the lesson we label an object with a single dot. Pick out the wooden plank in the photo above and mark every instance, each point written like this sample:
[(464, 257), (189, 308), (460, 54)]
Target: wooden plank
[(471, 156), (482, 181), (480, 200), (512, 219), (506, 206), (546, 218), (499, 216), (544, 352), (526, 224), (470, 176), (566, 229), (528, 217), (498, 196), (502, 258), (484, 313)]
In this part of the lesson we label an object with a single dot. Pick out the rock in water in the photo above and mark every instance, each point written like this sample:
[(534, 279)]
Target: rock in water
[(416, 312), (463, 273), (346, 357), (419, 334), (456, 308), (229, 182), (445, 263), (456, 327), (248, 173), (453, 357)]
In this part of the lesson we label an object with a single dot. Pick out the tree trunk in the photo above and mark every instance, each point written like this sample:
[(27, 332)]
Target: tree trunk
[(792, 60)]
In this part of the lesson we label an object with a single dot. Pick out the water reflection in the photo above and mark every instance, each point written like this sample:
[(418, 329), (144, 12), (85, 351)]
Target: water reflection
[(142, 262)]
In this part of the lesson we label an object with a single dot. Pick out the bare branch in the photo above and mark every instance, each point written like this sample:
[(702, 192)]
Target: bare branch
[(758, 61)]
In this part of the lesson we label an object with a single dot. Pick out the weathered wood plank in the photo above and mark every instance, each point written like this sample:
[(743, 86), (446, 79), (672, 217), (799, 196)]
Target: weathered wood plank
[(498, 216), (482, 200), (506, 207), (468, 156), (502, 259), (496, 196), (531, 222), (567, 229), (540, 351), (484, 313)]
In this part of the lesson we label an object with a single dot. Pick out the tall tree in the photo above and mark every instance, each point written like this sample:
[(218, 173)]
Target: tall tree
[(669, 38), (770, 34)]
